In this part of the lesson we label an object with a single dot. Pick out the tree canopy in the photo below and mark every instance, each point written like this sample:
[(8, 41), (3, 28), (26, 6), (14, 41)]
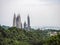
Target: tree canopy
[(15, 36)]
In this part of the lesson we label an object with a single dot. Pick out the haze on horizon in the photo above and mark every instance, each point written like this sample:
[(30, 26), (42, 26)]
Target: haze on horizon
[(41, 12)]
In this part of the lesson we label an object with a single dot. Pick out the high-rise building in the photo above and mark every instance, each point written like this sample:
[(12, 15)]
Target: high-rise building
[(21, 25), (18, 24), (18, 21), (28, 21), (14, 20), (25, 25)]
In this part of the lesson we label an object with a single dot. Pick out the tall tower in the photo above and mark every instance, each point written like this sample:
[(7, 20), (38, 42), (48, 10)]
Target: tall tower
[(14, 20), (18, 21), (24, 25), (21, 25), (28, 21)]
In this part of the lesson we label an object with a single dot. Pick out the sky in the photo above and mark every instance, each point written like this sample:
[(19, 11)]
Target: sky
[(41, 12)]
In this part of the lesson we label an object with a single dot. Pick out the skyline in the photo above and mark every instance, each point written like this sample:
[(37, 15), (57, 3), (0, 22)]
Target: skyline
[(18, 23), (41, 12)]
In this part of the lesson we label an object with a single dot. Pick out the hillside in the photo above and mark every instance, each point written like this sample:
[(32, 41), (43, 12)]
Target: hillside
[(15, 36)]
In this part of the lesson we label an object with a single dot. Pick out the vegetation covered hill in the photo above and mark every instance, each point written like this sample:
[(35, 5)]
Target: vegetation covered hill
[(15, 36)]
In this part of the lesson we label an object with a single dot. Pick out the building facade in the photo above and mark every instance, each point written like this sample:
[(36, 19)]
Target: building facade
[(14, 21), (28, 22), (17, 21), (18, 24)]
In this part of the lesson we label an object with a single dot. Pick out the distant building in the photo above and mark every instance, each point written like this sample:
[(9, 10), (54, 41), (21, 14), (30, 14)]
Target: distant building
[(17, 21), (21, 25), (25, 25), (14, 21), (52, 33), (28, 22)]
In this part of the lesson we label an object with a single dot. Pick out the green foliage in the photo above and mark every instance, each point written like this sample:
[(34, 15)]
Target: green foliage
[(15, 36), (53, 40)]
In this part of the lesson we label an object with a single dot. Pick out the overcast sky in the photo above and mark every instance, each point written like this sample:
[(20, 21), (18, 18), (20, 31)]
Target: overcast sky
[(41, 12)]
